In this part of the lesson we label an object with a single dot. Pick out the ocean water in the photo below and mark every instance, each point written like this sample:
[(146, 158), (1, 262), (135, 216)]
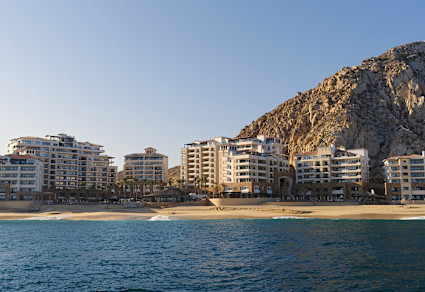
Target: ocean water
[(213, 255)]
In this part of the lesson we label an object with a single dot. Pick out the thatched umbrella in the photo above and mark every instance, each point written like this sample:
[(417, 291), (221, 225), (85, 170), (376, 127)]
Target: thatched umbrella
[(171, 194)]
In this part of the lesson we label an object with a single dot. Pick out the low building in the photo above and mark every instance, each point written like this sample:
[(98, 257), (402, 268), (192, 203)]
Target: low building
[(405, 177), (20, 177)]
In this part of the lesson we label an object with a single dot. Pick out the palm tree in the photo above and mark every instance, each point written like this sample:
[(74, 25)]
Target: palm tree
[(115, 186), (196, 181), (125, 182), (135, 182), (204, 180), (180, 181), (216, 188)]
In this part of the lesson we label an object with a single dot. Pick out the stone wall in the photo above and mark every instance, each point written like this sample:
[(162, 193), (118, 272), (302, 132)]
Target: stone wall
[(239, 201), (348, 189)]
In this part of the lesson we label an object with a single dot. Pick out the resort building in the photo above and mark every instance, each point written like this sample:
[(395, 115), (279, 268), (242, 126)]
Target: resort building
[(67, 163), (405, 177), (331, 173), (20, 177), (149, 166), (330, 164), (246, 165)]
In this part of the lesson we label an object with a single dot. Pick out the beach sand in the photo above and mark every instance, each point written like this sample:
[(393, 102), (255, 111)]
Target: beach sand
[(117, 212)]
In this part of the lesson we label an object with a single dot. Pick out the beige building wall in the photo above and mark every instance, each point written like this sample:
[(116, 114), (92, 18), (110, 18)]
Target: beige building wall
[(405, 177), (233, 165), (148, 166), (331, 164), (200, 159)]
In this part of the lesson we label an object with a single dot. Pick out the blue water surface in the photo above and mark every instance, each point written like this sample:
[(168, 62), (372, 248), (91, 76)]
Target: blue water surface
[(211, 255)]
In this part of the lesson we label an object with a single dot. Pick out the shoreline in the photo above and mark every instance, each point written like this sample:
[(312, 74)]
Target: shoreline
[(118, 213)]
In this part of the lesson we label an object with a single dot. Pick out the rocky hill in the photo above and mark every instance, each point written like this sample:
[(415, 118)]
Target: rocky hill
[(174, 173), (378, 105)]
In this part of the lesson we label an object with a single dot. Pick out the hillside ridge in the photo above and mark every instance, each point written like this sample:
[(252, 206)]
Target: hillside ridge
[(378, 105)]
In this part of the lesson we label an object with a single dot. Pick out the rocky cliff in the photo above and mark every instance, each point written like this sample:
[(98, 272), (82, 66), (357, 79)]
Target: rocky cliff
[(174, 173), (378, 105)]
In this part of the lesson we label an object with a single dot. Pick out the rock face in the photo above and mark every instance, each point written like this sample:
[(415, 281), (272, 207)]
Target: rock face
[(174, 173), (378, 105)]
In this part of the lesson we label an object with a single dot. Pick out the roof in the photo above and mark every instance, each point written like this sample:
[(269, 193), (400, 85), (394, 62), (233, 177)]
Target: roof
[(170, 192), (28, 147), (21, 157), (92, 144), (145, 154), (308, 153), (200, 142), (30, 137), (405, 157), (255, 137), (245, 137)]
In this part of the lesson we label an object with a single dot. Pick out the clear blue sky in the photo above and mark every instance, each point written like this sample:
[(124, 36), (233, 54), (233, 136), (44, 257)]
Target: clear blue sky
[(133, 74)]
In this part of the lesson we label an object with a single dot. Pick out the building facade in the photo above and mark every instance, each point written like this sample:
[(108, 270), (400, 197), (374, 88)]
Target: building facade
[(331, 173), (239, 165), (405, 177), (149, 166), (20, 177), (330, 164), (67, 163)]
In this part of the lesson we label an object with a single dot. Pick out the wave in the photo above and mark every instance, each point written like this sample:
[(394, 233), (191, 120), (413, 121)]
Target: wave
[(63, 217), (414, 218), (289, 217), (162, 218)]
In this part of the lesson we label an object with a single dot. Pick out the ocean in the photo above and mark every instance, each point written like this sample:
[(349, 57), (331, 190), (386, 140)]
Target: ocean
[(213, 255)]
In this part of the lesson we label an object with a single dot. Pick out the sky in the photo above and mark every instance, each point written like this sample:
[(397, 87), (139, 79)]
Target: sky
[(134, 74)]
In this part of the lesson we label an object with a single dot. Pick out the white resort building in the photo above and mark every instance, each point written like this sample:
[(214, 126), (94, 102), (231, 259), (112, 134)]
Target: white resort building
[(334, 174), (20, 175), (67, 163), (331, 164)]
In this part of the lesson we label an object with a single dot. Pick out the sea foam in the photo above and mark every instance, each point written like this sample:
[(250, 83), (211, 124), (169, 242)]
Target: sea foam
[(162, 218), (62, 217), (414, 218), (289, 217)]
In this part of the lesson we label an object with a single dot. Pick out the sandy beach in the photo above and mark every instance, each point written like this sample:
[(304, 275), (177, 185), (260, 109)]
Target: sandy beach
[(117, 212)]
